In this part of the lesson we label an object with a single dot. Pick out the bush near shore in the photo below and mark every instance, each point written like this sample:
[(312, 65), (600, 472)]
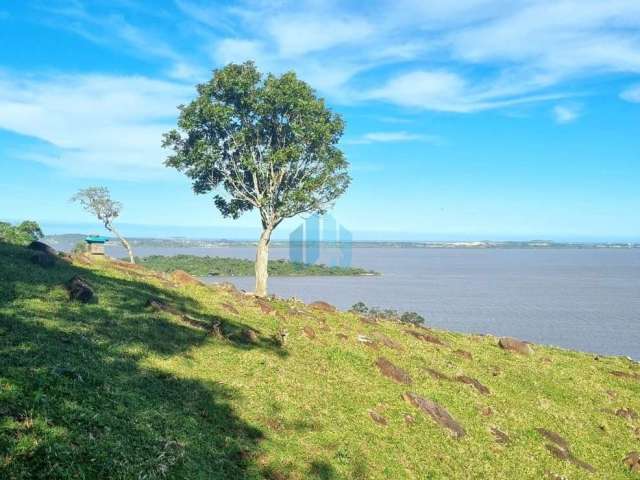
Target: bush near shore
[(237, 267)]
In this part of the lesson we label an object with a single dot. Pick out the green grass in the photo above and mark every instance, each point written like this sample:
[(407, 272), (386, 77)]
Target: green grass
[(113, 389), (232, 267)]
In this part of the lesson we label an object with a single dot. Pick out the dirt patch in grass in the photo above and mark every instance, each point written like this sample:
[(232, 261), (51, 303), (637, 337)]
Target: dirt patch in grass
[(389, 370)]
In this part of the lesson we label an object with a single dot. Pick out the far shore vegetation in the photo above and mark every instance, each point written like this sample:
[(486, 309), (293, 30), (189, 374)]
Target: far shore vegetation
[(237, 267)]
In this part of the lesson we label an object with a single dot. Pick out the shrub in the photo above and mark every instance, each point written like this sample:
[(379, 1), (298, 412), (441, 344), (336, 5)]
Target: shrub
[(21, 234), (375, 313)]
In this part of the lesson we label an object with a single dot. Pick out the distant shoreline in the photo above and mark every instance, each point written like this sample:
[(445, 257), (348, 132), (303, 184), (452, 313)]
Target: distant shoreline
[(71, 239)]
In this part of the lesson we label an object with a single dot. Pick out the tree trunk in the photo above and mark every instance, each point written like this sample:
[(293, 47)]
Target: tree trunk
[(262, 262), (124, 243)]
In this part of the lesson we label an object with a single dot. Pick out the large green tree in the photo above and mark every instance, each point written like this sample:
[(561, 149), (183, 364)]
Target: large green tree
[(260, 142)]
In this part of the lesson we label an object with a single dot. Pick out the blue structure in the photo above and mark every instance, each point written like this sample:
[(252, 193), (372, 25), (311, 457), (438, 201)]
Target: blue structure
[(96, 244)]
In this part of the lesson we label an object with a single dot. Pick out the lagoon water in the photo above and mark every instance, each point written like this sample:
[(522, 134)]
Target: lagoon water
[(583, 299)]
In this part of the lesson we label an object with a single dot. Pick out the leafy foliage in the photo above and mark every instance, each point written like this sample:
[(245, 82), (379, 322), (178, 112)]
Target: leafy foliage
[(387, 314), (21, 234), (265, 143), (203, 266)]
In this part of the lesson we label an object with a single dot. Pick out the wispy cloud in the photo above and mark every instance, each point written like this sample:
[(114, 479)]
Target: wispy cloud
[(113, 30), (631, 94), (461, 56), (401, 136), (566, 113), (96, 125)]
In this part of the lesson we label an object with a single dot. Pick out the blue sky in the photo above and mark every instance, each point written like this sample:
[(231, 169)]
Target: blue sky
[(467, 119)]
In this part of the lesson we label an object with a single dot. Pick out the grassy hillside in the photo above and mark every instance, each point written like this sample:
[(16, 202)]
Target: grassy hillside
[(221, 385)]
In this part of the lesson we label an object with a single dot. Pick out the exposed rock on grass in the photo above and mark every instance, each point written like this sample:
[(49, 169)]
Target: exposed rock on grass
[(368, 320), (474, 383), (500, 436), (388, 369), (376, 417), (516, 346), (436, 374), (486, 411), (553, 437), (160, 306), (43, 259), (369, 342), (250, 336), (463, 354), (632, 460), (425, 337), (323, 306), (264, 306), (627, 375), (43, 247), (436, 412), (79, 289), (389, 343), (627, 413), (309, 332), (559, 448), (230, 308), (183, 278)]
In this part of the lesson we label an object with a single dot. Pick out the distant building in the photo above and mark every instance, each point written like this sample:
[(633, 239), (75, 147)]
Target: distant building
[(96, 244)]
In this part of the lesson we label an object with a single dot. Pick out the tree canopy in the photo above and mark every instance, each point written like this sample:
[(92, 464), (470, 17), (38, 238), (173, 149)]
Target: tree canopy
[(260, 142), (21, 234)]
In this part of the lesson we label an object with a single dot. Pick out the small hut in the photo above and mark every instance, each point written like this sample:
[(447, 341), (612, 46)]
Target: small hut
[(96, 244)]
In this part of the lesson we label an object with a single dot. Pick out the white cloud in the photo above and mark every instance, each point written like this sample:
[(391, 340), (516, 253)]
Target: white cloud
[(238, 50), (449, 92), (566, 113), (387, 137), (98, 125), (631, 94), (300, 34)]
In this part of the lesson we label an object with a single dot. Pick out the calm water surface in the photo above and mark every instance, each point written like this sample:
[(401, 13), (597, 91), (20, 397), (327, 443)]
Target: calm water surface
[(583, 299)]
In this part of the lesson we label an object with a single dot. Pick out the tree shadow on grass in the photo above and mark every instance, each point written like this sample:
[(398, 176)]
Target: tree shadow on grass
[(76, 399)]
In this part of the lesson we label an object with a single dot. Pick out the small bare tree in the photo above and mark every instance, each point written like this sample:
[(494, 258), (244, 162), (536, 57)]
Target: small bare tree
[(97, 201)]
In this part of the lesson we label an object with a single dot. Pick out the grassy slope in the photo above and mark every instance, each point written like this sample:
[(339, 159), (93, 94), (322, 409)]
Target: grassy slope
[(113, 389)]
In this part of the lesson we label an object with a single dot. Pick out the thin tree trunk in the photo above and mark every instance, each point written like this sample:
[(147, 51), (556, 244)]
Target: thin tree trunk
[(124, 243), (262, 262)]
